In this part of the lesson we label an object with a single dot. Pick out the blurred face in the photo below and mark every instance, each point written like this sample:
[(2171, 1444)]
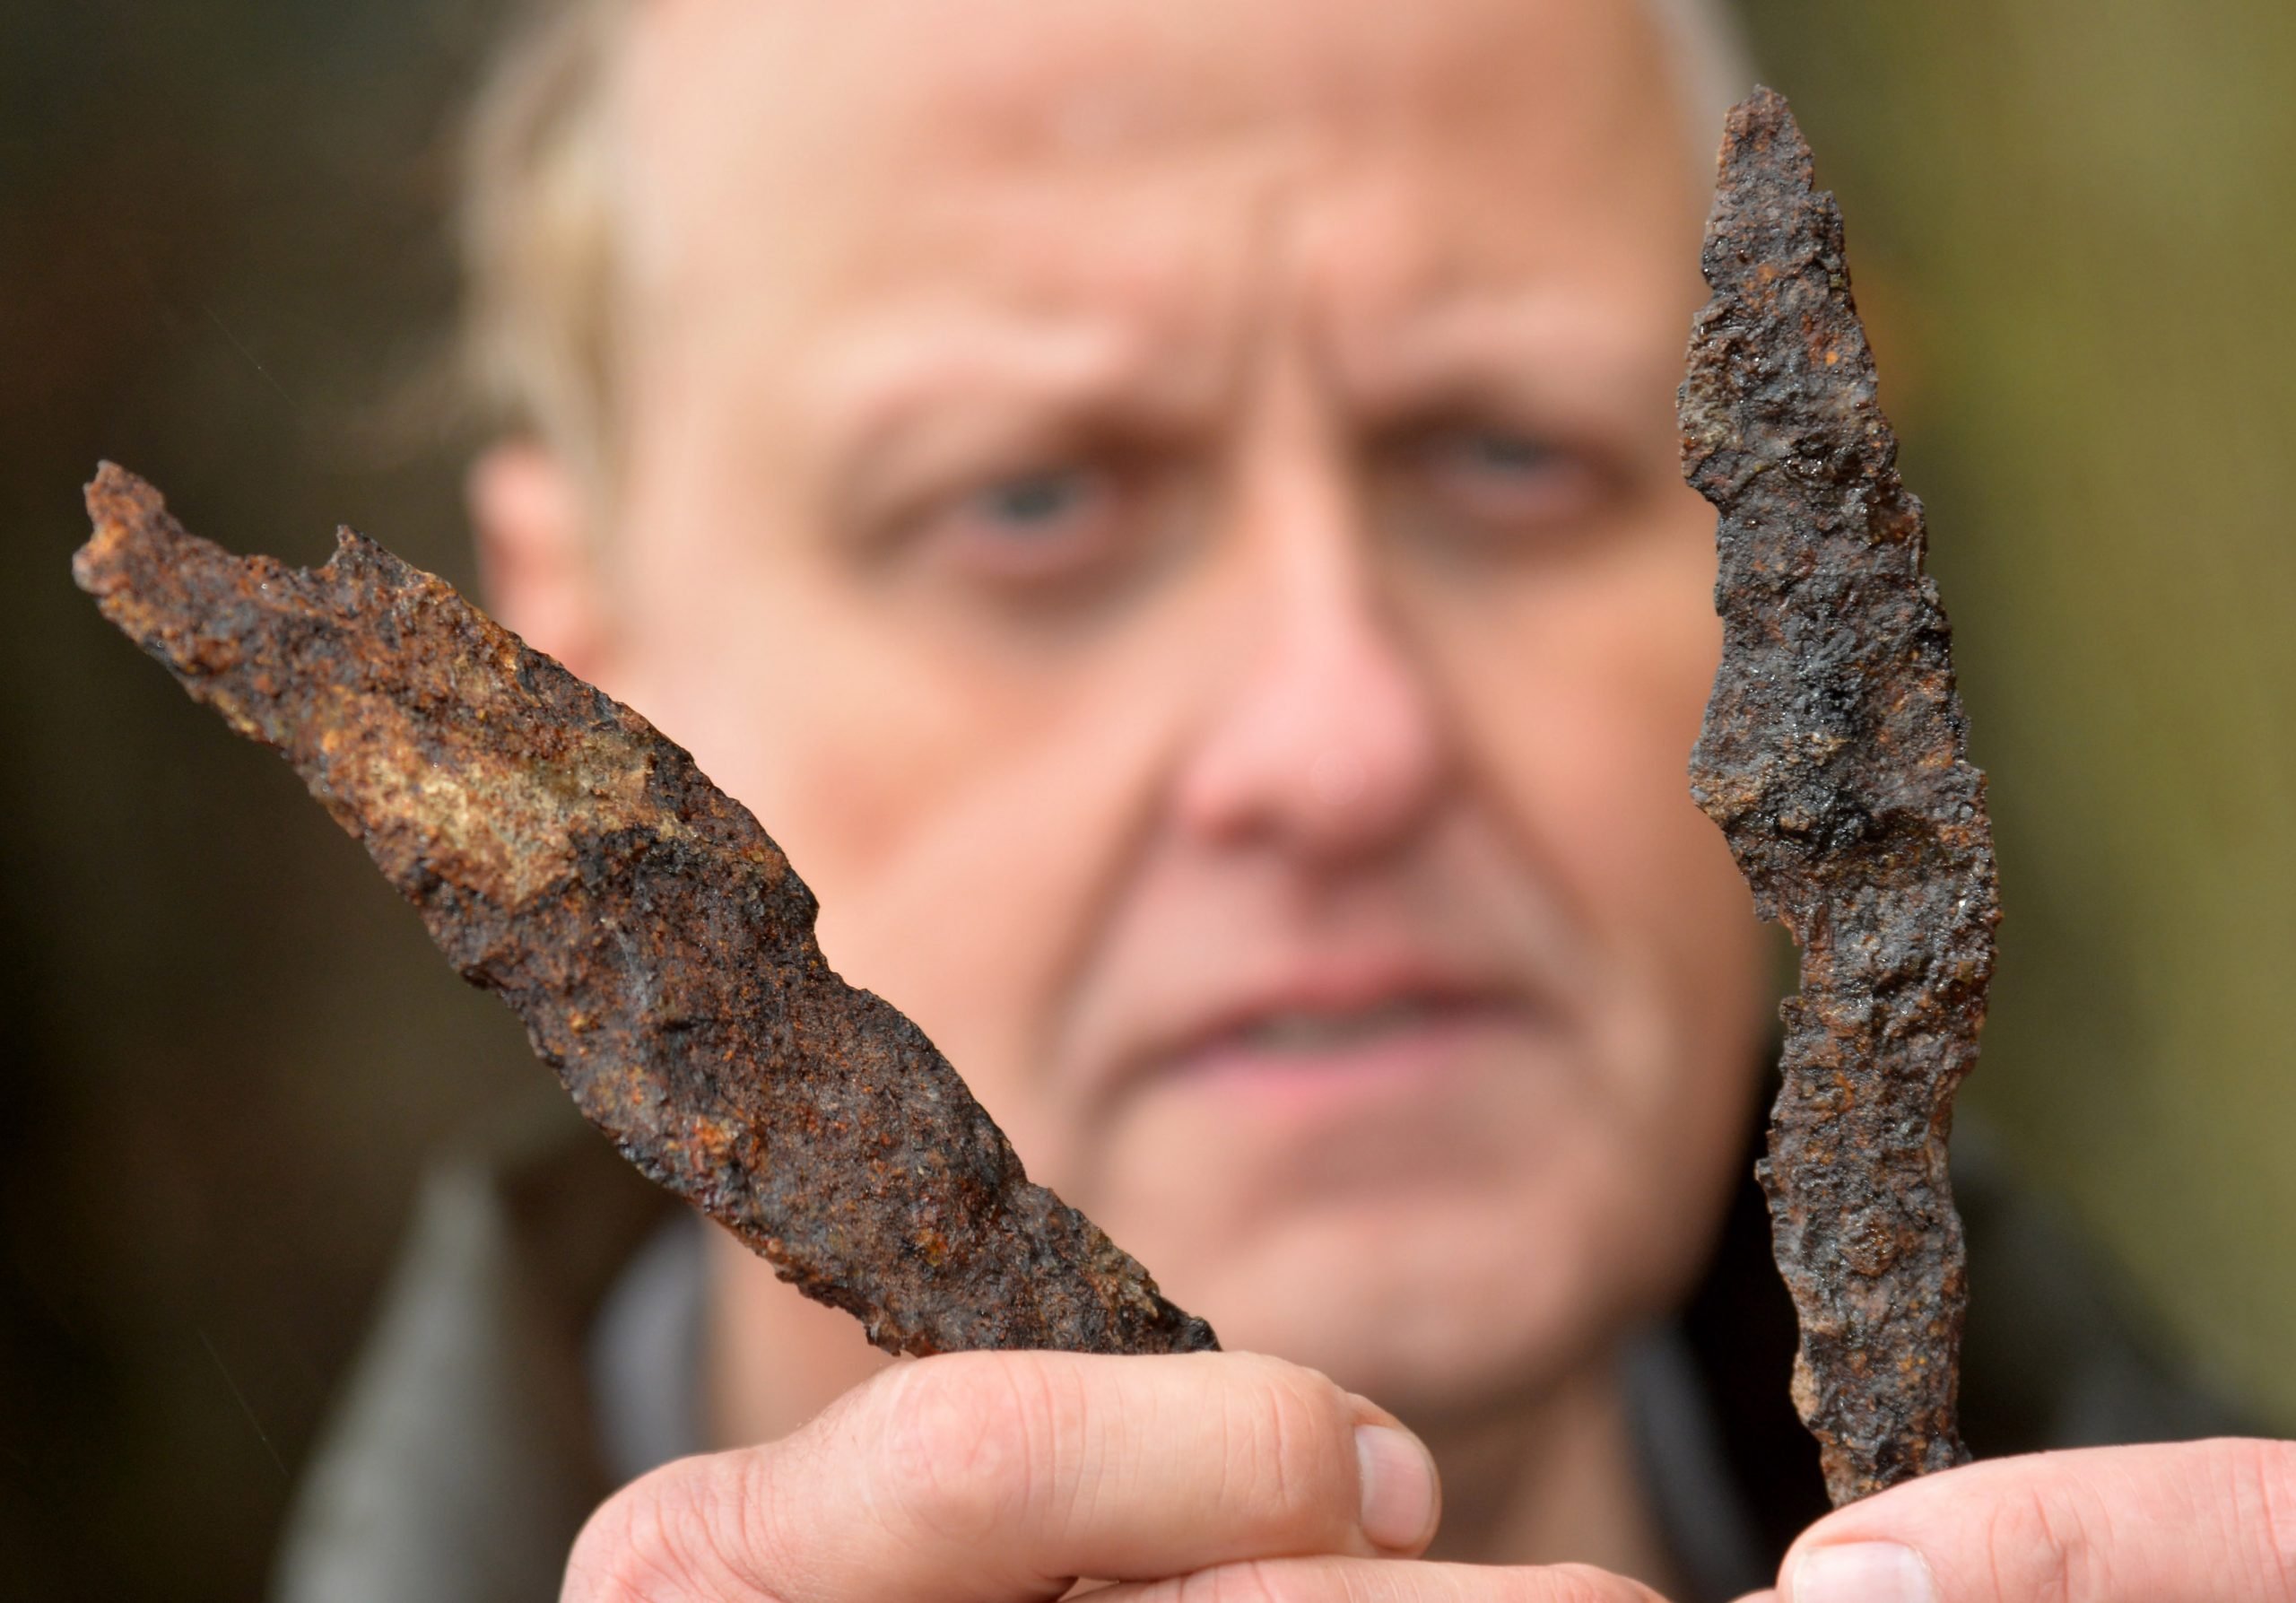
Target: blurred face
[(1169, 513)]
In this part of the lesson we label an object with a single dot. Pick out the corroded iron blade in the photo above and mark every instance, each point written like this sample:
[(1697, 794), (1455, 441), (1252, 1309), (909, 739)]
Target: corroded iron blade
[(654, 941), (1832, 758)]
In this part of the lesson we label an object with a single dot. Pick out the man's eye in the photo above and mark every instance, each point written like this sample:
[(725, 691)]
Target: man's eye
[(1495, 480), (1492, 451), (1044, 524), (1034, 503)]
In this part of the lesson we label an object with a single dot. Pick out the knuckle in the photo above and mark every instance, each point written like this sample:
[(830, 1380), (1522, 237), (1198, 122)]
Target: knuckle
[(1249, 1581), (2264, 1500), (964, 1440), (1581, 1583), (2044, 1544), (1287, 1442), (652, 1542)]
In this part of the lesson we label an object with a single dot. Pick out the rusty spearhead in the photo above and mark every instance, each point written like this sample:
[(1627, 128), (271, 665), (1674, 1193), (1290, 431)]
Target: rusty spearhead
[(1832, 759), (566, 856)]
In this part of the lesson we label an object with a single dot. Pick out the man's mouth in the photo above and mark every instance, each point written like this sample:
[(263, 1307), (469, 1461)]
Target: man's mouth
[(1317, 1032), (1358, 1030), (1392, 1045)]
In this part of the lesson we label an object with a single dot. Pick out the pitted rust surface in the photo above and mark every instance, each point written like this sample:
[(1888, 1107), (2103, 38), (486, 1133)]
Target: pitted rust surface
[(1832, 758), (654, 940)]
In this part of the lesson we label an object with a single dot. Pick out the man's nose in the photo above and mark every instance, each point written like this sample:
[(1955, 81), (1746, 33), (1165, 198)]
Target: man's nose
[(1329, 742)]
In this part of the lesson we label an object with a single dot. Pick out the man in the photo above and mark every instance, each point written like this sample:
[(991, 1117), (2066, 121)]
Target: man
[(1168, 511)]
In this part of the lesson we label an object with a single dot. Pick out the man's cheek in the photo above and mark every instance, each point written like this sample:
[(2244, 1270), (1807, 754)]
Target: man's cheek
[(975, 893)]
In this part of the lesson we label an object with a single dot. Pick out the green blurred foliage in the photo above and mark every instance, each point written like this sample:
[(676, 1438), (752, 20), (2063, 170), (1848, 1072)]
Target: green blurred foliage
[(2073, 225)]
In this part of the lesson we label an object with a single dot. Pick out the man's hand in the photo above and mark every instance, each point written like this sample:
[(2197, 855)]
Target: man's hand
[(2198, 1523), (1001, 1477)]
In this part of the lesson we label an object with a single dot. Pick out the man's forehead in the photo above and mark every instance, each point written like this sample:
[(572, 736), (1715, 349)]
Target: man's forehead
[(1028, 66), (796, 116)]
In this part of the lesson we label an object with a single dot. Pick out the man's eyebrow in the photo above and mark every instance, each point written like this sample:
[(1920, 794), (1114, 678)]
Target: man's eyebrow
[(913, 371), (1545, 358)]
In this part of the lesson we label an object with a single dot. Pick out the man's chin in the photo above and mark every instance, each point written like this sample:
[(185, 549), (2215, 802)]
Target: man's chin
[(1437, 1231), (1417, 1302)]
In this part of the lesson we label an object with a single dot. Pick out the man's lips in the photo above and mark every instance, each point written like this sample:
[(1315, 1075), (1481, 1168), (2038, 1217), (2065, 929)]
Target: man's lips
[(1398, 1054), (1307, 1033)]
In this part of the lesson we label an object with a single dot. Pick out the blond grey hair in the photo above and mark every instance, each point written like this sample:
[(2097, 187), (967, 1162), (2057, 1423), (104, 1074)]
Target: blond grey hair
[(537, 214), (536, 223)]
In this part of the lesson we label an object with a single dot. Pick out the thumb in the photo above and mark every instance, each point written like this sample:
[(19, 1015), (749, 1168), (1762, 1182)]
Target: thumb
[(2195, 1523)]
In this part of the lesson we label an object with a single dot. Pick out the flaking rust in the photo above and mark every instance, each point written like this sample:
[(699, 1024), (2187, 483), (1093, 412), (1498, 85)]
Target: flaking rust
[(1832, 758), (654, 940)]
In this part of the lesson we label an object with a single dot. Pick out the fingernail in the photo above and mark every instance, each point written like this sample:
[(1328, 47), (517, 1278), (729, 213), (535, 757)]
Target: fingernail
[(1397, 1478), (1862, 1572)]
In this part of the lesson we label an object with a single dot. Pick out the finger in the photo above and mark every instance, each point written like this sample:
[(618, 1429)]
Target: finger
[(1384, 1581), (1002, 1476), (2196, 1522)]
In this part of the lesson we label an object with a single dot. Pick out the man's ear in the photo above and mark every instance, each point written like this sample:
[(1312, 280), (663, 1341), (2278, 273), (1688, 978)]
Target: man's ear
[(537, 563)]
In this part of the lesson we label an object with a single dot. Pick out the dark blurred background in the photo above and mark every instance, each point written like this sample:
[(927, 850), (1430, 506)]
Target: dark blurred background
[(229, 1049)]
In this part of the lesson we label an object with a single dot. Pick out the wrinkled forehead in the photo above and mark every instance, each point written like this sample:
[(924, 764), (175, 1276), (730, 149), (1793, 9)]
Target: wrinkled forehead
[(794, 138)]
